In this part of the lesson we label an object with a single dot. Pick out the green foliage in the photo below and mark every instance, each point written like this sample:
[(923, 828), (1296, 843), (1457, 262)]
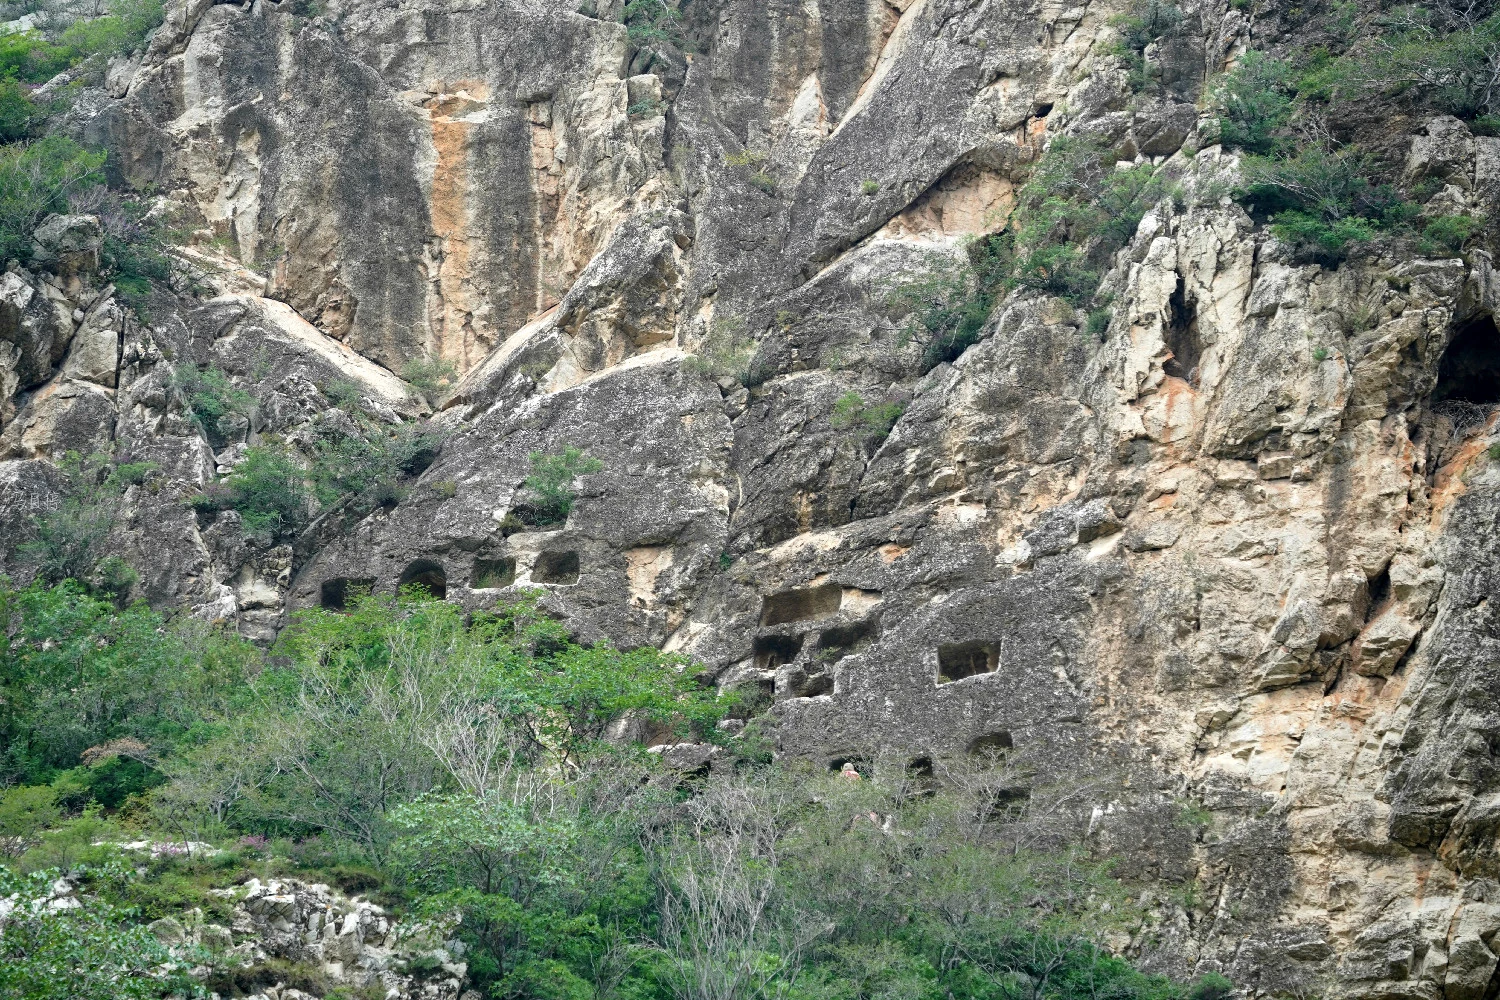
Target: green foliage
[(1098, 323), (762, 181), (551, 483), (397, 697), (429, 374), (653, 25), (66, 543), (28, 57), (36, 180), (25, 811), (726, 352), (370, 469), (1147, 21), (19, 116), (1322, 200), (210, 397), (1443, 57), (269, 491), (134, 252), (122, 30), (875, 422), (93, 952), (869, 188), (949, 306), (77, 672), (1255, 103), (1447, 234)]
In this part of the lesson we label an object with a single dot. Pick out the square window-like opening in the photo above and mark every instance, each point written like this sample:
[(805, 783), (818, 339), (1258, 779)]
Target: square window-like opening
[(772, 651), (559, 568), (966, 659), (336, 593), (801, 605), (493, 573)]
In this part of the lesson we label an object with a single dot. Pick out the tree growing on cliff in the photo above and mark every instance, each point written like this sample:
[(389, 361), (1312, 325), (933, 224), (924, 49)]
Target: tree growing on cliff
[(551, 482)]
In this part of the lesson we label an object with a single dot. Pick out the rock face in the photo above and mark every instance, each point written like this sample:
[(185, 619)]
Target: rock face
[(1243, 545)]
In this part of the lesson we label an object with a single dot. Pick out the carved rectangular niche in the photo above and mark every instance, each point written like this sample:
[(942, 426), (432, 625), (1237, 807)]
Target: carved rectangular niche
[(966, 659), (801, 605), (493, 573)]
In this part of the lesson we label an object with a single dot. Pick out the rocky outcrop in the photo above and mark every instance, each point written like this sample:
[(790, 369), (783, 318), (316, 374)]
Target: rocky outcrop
[(1238, 546)]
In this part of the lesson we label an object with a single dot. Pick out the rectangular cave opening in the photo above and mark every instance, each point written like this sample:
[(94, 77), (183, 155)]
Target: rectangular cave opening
[(772, 651), (334, 595), (838, 642), (958, 660), (559, 568), (493, 573), (801, 605)]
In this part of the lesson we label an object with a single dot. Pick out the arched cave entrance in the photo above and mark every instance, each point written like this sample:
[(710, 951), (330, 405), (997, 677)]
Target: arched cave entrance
[(428, 574), (1470, 369)]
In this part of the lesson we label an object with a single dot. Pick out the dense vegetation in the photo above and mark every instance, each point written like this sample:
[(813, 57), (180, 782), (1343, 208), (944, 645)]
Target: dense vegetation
[(42, 171), (1309, 121), (466, 766)]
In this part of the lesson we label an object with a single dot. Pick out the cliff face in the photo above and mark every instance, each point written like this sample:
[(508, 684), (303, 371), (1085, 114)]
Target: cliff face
[(1234, 546)]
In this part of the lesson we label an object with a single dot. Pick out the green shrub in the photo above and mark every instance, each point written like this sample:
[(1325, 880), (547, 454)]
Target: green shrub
[(429, 374), (268, 489), (875, 422), (1254, 103), (134, 252), (210, 397), (36, 180), (26, 811), (1448, 234), (763, 181), (1147, 21), (66, 543), (1098, 323), (949, 306), (1322, 201), (869, 188), (121, 31), (27, 57), (19, 117), (1443, 58), (551, 483), (370, 469), (93, 952), (77, 672)]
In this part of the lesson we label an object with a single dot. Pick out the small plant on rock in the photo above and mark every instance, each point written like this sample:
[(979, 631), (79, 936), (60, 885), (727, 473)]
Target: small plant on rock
[(551, 483), (210, 398), (851, 412)]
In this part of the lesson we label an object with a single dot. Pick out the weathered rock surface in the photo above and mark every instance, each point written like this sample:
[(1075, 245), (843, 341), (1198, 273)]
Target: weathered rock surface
[(1244, 545)]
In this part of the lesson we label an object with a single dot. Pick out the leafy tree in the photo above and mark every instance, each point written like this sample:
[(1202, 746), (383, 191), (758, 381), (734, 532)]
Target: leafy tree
[(77, 672), (1254, 103), (36, 180), (551, 482), (90, 952), (25, 811)]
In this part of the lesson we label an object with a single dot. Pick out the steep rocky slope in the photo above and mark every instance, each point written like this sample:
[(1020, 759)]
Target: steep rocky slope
[(1230, 546)]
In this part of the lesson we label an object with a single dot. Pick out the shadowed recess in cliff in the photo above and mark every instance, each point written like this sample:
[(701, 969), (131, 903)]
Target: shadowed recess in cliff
[(494, 573), (428, 574), (1470, 369), (772, 651), (801, 605), (336, 593)]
